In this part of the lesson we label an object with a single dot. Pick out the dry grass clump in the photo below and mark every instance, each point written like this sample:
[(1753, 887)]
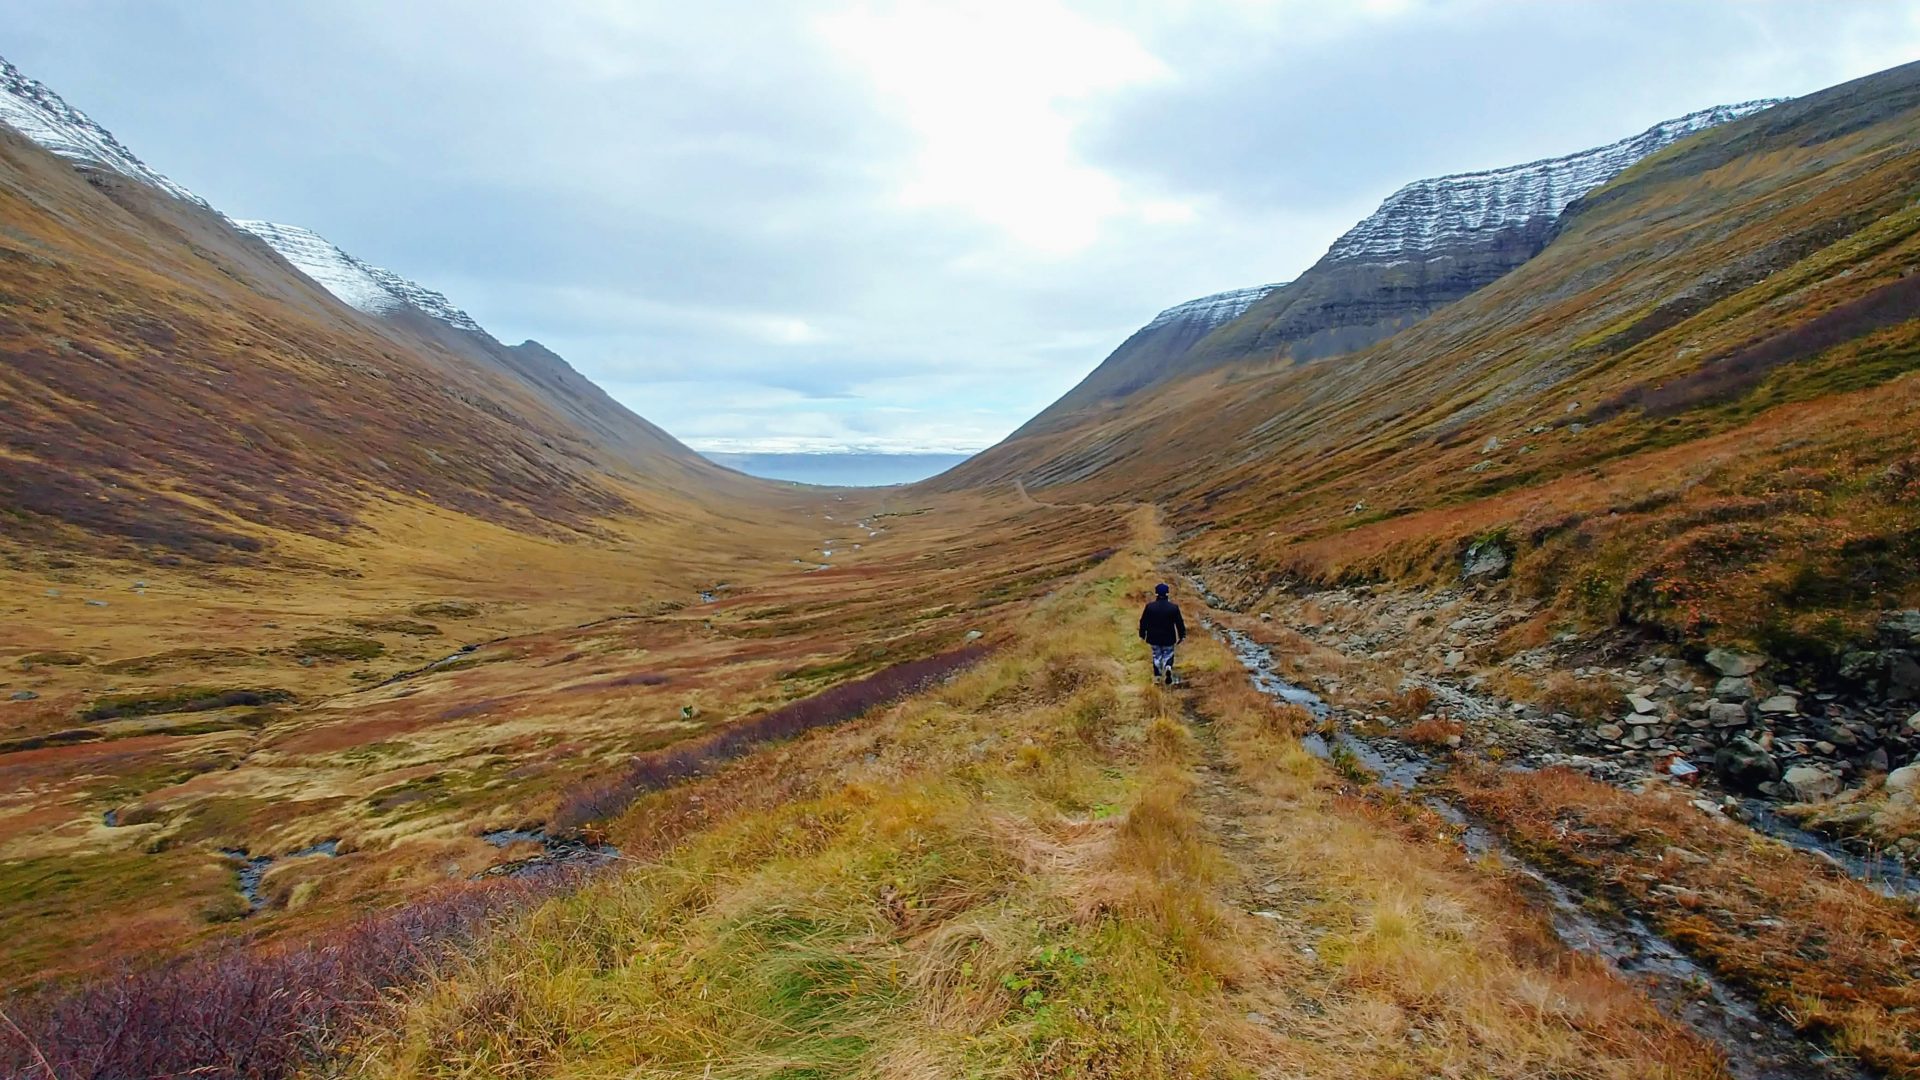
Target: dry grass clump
[(1827, 953), (1437, 732)]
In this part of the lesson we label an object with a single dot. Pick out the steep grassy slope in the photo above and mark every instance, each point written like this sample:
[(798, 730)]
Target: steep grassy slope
[(1691, 410), (166, 400)]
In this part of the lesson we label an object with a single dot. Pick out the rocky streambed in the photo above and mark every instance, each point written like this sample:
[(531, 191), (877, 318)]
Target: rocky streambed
[(1757, 1046)]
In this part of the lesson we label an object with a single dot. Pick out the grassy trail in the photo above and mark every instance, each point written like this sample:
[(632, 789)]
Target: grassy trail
[(1046, 867)]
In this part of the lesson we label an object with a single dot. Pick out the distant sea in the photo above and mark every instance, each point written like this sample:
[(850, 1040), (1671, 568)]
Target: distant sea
[(842, 470)]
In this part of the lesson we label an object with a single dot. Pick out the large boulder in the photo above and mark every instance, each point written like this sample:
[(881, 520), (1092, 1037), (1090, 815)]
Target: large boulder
[(1811, 783), (1744, 766)]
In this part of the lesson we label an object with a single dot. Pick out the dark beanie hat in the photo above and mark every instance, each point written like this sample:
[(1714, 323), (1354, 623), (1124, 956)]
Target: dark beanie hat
[(1161, 589)]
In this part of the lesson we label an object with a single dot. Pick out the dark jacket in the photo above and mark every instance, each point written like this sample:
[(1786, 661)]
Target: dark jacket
[(1160, 623)]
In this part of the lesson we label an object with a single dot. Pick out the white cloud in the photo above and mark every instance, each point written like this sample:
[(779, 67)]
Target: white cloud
[(993, 92)]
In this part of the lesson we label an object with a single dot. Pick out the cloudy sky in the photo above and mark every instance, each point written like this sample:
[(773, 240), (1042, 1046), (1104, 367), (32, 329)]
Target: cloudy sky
[(877, 225)]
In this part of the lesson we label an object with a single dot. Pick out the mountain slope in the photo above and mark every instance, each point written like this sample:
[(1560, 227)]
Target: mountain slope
[(1688, 411), (223, 396), (1429, 244)]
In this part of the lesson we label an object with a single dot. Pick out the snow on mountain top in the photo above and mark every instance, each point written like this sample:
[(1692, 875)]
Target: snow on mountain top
[(359, 285), (1429, 214), (1214, 310), (40, 114)]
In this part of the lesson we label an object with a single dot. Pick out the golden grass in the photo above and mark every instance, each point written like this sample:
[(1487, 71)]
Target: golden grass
[(1039, 870)]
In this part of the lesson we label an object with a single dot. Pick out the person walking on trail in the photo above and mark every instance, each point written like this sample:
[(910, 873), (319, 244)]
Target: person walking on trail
[(1162, 628)]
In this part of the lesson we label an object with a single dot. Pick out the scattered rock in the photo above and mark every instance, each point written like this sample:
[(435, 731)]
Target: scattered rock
[(1913, 724), (1609, 732), (1728, 662), (1642, 705), (1492, 444), (974, 635), (1811, 783), (1744, 765), (96, 603), (24, 695), (1781, 704)]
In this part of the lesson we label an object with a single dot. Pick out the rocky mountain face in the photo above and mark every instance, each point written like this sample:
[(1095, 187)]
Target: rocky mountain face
[(247, 378), (1435, 241), (1429, 244)]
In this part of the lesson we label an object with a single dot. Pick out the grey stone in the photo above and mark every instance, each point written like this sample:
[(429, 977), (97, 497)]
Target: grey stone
[(1734, 688), (1780, 703), (1811, 783), (1744, 765), (1487, 559), (96, 603), (1729, 662), (974, 635), (1913, 724), (24, 695), (1609, 732), (1727, 714), (1642, 705), (1878, 760)]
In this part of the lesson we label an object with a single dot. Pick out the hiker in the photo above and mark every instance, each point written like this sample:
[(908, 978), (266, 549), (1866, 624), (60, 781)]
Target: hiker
[(1162, 628)]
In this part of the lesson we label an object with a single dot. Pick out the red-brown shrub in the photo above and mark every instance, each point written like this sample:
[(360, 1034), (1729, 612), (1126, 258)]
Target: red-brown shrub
[(664, 768)]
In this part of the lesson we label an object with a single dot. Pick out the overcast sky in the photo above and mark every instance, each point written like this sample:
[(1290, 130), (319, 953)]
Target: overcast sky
[(880, 226)]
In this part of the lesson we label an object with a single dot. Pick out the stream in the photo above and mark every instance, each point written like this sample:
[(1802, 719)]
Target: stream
[(555, 853), (1757, 1047), (253, 868)]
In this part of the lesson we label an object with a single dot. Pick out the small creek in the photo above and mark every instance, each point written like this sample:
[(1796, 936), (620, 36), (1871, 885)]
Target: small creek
[(555, 853), (253, 868), (1757, 1047)]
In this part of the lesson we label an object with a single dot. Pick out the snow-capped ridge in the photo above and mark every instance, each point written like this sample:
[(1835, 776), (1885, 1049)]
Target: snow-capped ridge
[(1215, 309), (44, 117), (28, 106), (360, 285), (1430, 214)]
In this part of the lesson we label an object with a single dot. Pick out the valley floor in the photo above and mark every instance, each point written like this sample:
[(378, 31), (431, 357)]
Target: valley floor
[(1046, 866)]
